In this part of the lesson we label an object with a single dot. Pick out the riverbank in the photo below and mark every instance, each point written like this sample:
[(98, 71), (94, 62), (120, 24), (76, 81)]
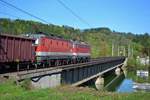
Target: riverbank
[(134, 64), (10, 91)]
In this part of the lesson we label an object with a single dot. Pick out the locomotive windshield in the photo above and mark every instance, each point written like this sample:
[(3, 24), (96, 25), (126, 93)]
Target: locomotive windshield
[(36, 36)]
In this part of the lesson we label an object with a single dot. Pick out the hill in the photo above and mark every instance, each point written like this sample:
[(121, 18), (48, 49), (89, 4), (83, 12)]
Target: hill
[(102, 40)]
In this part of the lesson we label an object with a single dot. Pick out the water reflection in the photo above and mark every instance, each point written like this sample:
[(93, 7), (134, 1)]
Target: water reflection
[(115, 83), (125, 84)]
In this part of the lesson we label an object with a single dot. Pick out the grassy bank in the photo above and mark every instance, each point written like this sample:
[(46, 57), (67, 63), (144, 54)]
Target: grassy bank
[(133, 66), (10, 91)]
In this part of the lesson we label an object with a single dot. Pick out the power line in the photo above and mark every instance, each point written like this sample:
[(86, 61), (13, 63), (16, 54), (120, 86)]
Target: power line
[(23, 11), (73, 13)]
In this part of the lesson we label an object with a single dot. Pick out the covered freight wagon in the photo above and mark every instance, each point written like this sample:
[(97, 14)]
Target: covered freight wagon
[(15, 49)]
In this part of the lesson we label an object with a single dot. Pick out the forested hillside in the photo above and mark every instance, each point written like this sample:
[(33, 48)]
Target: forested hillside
[(102, 40)]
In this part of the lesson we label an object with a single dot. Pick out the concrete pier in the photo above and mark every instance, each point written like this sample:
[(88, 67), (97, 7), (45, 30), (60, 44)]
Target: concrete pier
[(117, 71), (46, 81), (99, 83)]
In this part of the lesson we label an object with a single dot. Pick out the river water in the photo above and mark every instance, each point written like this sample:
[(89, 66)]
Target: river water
[(124, 83)]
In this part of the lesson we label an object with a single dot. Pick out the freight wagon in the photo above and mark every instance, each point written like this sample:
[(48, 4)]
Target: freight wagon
[(15, 49)]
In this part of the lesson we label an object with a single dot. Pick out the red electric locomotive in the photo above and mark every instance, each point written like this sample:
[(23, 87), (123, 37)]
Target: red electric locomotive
[(56, 51), (81, 51), (52, 50)]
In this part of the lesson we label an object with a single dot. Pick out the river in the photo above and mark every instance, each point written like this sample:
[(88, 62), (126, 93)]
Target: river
[(126, 83)]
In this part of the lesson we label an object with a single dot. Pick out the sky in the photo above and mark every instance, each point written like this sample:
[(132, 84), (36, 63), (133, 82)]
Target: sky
[(119, 15)]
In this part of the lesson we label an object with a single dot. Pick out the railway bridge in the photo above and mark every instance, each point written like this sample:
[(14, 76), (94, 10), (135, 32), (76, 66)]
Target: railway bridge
[(74, 74)]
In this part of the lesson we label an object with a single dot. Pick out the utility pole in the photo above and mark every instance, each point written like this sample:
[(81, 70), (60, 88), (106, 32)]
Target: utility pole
[(112, 49), (148, 54), (129, 50), (118, 51), (149, 60), (132, 52), (124, 51)]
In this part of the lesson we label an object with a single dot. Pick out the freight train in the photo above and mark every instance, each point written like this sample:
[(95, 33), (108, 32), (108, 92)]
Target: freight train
[(41, 50)]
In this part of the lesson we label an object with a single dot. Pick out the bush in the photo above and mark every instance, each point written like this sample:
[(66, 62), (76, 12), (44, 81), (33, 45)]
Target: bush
[(133, 64), (26, 84)]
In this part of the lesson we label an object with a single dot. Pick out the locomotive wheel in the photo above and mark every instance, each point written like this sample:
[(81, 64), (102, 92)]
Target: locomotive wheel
[(49, 64), (43, 65), (4, 68), (57, 63)]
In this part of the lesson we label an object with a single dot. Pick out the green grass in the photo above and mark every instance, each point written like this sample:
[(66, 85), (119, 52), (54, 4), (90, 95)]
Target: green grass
[(10, 91)]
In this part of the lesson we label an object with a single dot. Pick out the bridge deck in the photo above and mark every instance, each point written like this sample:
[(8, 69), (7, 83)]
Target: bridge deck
[(74, 74), (96, 75)]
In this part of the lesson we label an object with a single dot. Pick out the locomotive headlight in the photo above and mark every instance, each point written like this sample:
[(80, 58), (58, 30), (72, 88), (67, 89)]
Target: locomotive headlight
[(37, 41), (75, 54)]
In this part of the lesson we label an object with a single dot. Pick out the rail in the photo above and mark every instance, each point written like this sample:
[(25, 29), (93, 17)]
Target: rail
[(66, 67)]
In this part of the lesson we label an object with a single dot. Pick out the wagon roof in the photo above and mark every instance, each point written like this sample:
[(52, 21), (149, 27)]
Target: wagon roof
[(15, 36)]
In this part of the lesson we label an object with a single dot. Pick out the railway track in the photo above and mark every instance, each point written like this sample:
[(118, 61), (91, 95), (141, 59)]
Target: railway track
[(64, 67)]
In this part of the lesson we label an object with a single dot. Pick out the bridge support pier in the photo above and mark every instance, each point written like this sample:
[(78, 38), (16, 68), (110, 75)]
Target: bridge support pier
[(117, 71), (123, 68), (46, 81), (99, 83)]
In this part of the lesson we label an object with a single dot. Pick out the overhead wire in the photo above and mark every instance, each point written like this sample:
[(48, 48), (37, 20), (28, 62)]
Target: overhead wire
[(34, 16), (74, 13), (23, 11)]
